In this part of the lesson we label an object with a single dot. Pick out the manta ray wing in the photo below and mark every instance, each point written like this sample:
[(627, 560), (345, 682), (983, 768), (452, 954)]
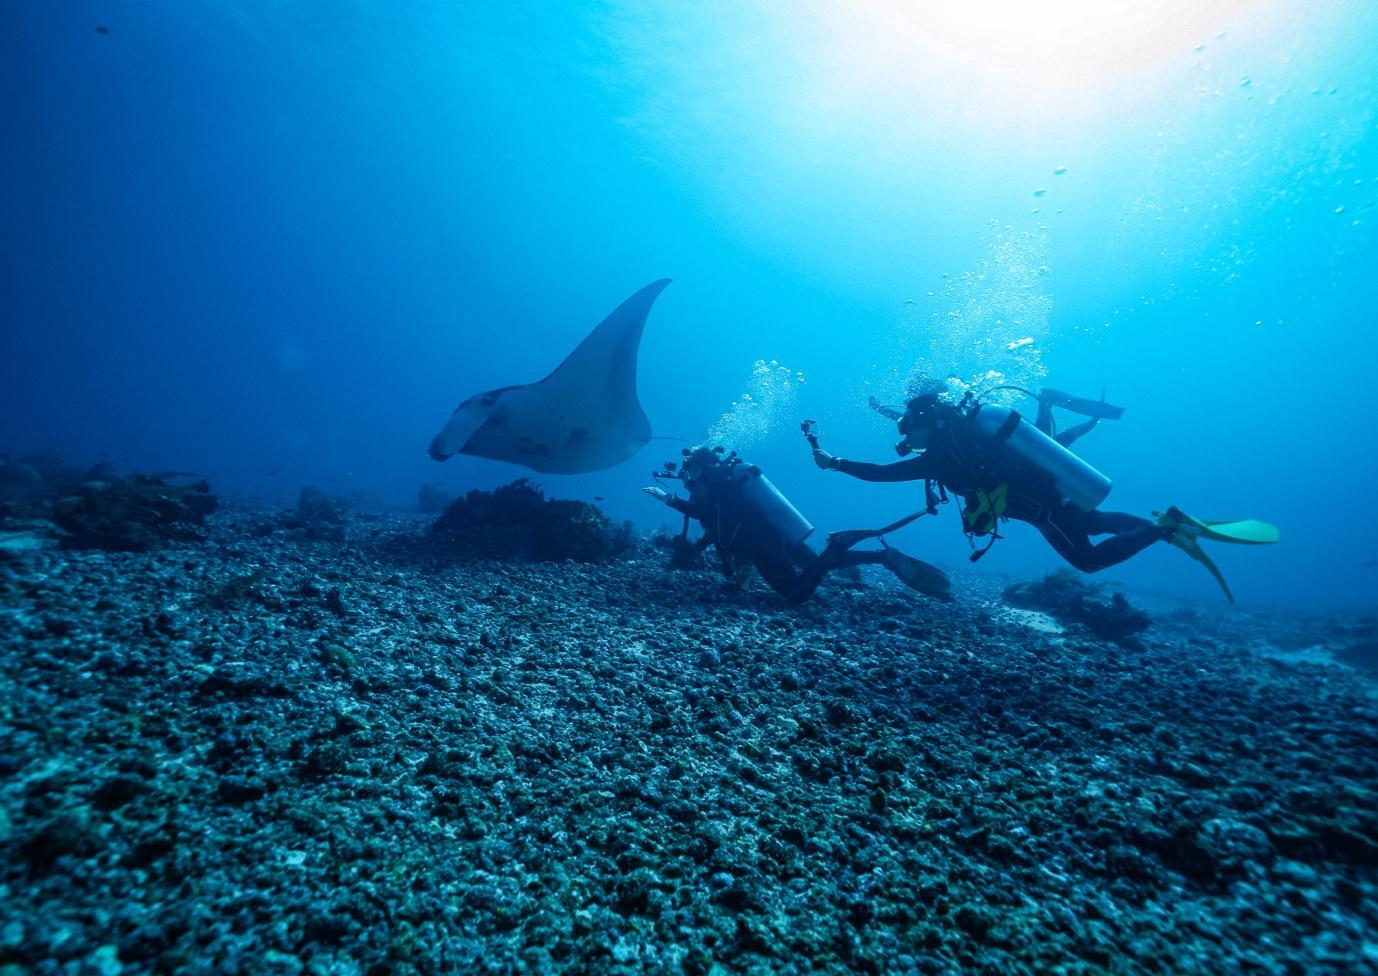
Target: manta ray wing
[(604, 364), (585, 416)]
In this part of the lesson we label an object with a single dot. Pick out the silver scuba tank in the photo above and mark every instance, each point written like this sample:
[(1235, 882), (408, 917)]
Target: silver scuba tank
[(773, 508), (1075, 480)]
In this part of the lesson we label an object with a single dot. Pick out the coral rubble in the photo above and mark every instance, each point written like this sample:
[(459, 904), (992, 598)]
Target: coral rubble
[(277, 753)]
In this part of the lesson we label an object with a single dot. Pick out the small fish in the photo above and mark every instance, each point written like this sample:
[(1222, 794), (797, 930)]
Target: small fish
[(598, 498), (102, 29), (1369, 564), (273, 471)]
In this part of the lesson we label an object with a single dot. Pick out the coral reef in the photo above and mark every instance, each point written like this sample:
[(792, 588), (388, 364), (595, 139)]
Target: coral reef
[(518, 523), (1070, 598), (133, 514), (30, 484), (45, 501)]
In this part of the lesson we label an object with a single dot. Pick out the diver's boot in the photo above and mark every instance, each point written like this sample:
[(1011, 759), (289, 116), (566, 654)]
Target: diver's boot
[(918, 575), (1179, 528)]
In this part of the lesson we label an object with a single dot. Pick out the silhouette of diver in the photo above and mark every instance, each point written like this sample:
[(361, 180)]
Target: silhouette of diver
[(748, 521)]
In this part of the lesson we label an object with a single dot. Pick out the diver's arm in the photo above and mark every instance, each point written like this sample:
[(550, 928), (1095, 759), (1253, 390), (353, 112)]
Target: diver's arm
[(681, 505), (915, 468), (684, 506), (889, 413), (910, 469)]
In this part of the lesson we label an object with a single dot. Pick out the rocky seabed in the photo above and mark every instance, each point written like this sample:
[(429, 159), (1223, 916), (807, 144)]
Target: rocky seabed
[(273, 753)]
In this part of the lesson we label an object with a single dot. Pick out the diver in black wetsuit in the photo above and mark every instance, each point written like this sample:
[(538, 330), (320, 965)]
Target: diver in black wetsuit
[(996, 483), (748, 521)]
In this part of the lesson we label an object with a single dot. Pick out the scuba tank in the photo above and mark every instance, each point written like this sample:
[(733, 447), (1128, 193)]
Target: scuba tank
[(1075, 480), (773, 508)]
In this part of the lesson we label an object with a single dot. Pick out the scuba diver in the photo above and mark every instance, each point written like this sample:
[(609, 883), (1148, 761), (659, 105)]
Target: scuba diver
[(1004, 467), (746, 518)]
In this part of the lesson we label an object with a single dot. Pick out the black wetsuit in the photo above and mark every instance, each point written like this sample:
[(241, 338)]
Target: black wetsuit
[(968, 464), (792, 570)]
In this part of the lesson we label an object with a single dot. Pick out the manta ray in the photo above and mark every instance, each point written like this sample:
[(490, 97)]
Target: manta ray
[(584, 416)]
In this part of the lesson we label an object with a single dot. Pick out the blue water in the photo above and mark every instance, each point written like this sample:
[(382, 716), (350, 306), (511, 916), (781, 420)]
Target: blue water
[(277, 243)]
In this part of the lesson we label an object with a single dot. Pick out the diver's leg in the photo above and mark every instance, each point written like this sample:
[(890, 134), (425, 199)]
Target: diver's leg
[(1072, 434), (833, 557), (847, 538), (1096, 522), (802, 555), (913, 573), (837, 555), (1120, 547), (1066, 533), (778, 570)]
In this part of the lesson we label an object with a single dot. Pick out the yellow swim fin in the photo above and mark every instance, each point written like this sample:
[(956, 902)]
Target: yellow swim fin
[(1189, 532), (1249, 532)]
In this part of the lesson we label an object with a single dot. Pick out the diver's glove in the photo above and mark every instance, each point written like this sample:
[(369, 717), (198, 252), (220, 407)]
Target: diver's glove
[(825, 460), (659, 494)]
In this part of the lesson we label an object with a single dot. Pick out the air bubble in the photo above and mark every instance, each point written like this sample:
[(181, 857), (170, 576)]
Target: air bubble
[(768, 400)]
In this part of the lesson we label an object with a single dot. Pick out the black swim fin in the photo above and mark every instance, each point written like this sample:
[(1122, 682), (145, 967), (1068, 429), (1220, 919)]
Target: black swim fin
[(1098, 409), (918, 575)]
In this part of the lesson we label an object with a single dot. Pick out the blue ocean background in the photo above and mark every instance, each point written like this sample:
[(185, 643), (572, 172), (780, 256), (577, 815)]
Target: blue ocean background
[(277, 243)]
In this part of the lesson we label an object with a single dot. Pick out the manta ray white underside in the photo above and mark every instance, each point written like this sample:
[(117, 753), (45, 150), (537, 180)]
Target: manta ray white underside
[(584, 416)]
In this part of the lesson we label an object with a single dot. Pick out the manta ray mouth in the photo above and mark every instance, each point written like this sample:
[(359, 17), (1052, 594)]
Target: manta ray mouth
[(437, 452)]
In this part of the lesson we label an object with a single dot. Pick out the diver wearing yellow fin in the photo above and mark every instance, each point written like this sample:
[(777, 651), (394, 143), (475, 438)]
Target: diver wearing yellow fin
[(1004, 467)]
